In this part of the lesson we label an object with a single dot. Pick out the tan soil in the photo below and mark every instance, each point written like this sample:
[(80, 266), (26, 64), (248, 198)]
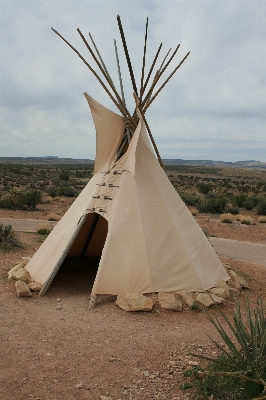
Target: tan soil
[(60, 349)]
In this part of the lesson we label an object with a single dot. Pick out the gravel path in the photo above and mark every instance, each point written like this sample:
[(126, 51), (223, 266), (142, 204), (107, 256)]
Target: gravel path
[(238, 250), (243, 251), (26, 225)]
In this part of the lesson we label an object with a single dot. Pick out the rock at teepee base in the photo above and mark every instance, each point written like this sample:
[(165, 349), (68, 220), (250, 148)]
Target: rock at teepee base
[(187, 297), (223, 285), (22, 289), (134, 302), (233, 284), (169, 302), (205, 300), (221, 292), (21, 274), (35, 286), (10, 272), (238, 279)]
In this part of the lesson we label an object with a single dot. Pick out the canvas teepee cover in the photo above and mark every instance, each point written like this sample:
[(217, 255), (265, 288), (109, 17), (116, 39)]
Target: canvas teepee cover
[(145, 236)]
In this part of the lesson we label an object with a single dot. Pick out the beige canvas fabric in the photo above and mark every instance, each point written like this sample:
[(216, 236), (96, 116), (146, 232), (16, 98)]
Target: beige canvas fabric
[(147, 238)]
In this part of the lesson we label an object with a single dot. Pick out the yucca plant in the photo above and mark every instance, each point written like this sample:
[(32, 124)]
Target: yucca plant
[(241, 363)]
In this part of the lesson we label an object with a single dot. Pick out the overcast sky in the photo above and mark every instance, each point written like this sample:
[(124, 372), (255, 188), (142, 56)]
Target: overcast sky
[(213, 108)]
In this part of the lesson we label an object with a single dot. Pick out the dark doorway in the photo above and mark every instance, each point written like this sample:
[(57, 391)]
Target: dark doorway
[(78, 271)]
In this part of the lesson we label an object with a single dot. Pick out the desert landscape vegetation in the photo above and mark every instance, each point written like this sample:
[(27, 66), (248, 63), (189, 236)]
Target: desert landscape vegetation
[(55, 347)]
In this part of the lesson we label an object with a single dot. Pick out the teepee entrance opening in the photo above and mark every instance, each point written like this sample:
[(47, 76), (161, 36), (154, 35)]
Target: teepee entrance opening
[(78, 271)]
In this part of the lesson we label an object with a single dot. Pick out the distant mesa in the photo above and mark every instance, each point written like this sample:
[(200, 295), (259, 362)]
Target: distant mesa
[(51, 157), (252, 164)]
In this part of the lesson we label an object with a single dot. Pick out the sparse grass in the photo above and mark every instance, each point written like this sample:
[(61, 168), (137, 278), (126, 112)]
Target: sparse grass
[(244, 219), (53, 217), (227, 218), (194, 211), (262, 220), (44, 229)]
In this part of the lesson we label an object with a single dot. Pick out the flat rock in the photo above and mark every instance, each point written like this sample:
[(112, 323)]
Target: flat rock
[(105, 398), (169, 302), (134, 302), (21, 274), (187, 297), (22, 289), (238, 279), (10, 272), (233, 284), (220, 292), (35, 286), (223, 285), (205, 300)]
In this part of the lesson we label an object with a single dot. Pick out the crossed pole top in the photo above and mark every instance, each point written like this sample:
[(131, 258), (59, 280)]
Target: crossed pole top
[(145, 95)]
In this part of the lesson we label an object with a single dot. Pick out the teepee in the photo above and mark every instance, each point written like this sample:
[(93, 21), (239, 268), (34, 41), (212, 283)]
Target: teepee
[(129, 214)]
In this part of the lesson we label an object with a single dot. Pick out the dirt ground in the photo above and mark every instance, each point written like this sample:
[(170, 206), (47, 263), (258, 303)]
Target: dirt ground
[(54, 347)]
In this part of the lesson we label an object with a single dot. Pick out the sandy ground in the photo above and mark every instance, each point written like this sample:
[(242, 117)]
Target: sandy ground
[(54, 347)]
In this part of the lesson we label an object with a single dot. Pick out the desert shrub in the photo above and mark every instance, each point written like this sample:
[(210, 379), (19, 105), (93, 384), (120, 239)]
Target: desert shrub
[(239, 200), (262, 220), (66, 191), (6, 203), (227, 218), (232, 210), (52, 191), (205, 187), (214, 205), (190, 199), (239, 371), (64, 176), (28, 199), (17, 199), (8, 238), (261, 208)]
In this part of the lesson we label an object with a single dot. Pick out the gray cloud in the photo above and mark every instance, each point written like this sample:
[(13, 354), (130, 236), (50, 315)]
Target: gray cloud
[(214, 107)]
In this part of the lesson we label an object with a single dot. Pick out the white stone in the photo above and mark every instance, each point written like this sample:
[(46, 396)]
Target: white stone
[(169, 302), (22, 289), (134, 302), (187, 297)]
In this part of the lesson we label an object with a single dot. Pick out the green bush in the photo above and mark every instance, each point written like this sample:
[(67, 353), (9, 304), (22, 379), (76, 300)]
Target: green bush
[(66, 191), (64, 176), (17, 199), (28, 200), (205, 187), (190, 199), (239, 200), (261, 210), (8, 238), (213, 205), (232, 210)]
